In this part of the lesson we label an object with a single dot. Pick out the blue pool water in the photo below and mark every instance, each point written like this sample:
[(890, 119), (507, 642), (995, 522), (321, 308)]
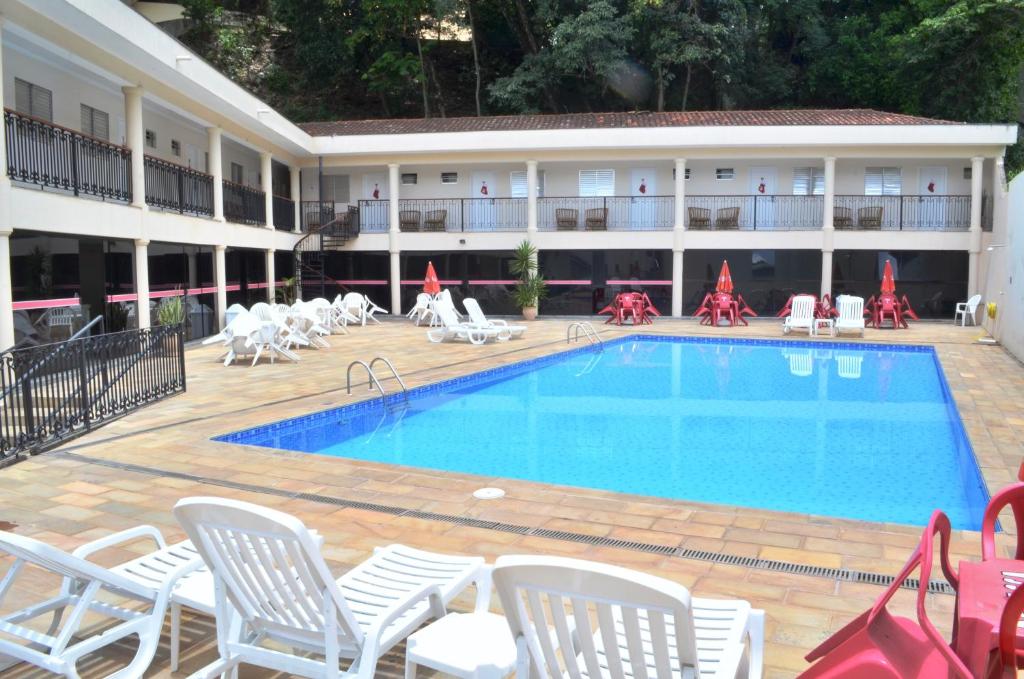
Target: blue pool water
[(855, 431)]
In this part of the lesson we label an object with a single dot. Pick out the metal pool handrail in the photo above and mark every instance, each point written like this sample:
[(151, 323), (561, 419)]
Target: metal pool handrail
[(588, 332), (374, 381)]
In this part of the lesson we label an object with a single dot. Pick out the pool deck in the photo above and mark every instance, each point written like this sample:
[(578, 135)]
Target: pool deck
[(74, 494)]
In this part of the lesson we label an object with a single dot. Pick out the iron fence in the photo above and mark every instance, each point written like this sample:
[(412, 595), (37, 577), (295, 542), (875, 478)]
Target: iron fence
[(244, 205), (754, 212), (51, 156), (179, 188), (284, 213), (315, 213), (52, 392), (606, 213), (903, 213)]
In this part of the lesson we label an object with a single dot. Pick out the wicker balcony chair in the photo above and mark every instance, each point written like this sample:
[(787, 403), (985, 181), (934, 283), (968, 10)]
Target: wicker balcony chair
[(700, 218), (409, 220), (435, 220), (869, 218), (727, 218), (596, 219), (842, 218), (566, 219)]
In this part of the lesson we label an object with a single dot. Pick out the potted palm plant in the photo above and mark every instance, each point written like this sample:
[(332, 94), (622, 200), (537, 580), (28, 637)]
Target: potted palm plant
[(530, 288)]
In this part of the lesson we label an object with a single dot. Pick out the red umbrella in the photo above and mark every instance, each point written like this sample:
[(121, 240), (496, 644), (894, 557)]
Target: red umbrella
[(888, 282), (724, 279), (431, 285)]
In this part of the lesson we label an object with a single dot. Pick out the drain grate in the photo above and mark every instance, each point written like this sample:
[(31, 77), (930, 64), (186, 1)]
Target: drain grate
[(839, 574)]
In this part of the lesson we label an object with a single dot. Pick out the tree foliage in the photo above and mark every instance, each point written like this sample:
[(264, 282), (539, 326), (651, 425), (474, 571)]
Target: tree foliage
[(324, 59)]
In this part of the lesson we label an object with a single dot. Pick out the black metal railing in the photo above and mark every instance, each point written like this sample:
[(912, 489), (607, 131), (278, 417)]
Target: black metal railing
[(284, 213), (373, 216), (903, 213), (51, 156), (179, 188), (606, 213), (452, 215), (754, 212), (53, 392), (244, 204), (315, 213)]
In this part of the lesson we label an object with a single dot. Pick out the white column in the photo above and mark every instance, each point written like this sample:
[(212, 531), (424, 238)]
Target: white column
[(3, 128), (828, 211), (6, 295), (193, 271), (267, 184), (135, 134), (826, 273), (974, 248), (271, 275), (293, 174), (678, 235), (216, 169), (220, 275), (142, 282), (531, 197), (828, 226), (393, 182), (396, 283)]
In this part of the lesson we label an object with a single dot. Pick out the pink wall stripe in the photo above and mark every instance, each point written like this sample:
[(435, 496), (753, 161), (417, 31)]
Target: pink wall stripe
[(569, 282), (361, 282), (201, 291), (632, 282), (493, 282), (128, 297), (165, 293), (442, 282), (46, 303)]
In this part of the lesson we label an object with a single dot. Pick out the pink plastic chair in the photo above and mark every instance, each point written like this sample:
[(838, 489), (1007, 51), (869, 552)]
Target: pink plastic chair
[(878, 645), (889, 307), (1003, 664)]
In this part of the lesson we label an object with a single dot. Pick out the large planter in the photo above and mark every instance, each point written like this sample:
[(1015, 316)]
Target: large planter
[(530, 313)]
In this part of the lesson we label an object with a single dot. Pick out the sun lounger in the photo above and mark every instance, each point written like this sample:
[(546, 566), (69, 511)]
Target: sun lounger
[(477, 318)]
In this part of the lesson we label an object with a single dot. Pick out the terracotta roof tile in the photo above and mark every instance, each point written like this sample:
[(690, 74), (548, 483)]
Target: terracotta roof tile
[(577, 121)]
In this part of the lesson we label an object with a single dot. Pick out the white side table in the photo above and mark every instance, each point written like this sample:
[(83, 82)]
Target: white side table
[(469, 645), (826, 323)]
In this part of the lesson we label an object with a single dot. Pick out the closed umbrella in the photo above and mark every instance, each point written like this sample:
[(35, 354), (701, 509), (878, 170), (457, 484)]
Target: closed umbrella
[(888, 282), (724, 279), (431, 285)]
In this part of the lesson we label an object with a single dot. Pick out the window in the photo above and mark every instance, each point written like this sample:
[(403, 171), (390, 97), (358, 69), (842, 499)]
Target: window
[(517, 181), (686, 174), (237, 173), (809, 181), (882, 181), (206, 161), (449, 177), (967, 173), (33, 100), (95, 123), (151, 139), (725, 173), (597, 183), (336, 188), (175, 148), (409, 178)]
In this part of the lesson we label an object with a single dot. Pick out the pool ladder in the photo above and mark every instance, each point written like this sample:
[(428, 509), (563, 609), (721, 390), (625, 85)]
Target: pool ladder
[(373, 380), (572, 333)]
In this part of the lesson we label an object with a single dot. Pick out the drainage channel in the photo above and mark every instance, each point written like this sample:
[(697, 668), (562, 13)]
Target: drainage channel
[(838, 574)]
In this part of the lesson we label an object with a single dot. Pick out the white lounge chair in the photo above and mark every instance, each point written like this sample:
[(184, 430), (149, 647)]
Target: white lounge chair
[(848, 365), (851, 314), (142, 588), (477, 317), (801, 315), (801, 363), (623, 623), (967, 309), (272, 585), (424, 307), (453, 329)]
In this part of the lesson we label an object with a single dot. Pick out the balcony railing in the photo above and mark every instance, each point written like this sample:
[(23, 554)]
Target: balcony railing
[(179, 188), (452, 215), (606, 213), (51, 156), (315, 213), (284, 213), (243, 204), (753, 213), (903, 213)]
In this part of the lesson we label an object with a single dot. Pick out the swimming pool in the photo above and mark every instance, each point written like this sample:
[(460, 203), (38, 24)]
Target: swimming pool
[(847, 430)]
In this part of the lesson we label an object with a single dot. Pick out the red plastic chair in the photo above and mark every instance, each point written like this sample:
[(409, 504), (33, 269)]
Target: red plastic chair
[(889, 307), (1007, 657), (723, 306), (878, 645)]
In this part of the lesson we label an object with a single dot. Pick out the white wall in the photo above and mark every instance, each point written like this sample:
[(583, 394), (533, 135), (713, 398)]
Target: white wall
[(1005, 278)]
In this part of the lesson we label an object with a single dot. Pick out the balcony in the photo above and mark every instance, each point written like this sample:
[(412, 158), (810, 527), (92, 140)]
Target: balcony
[(284, 213), (55, 157), (178, 188), (244, 205), (451, 215), (903, 213), (606, 213)]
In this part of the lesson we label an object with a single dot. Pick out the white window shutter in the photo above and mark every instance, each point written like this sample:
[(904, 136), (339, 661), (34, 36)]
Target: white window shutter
[(517, 182), (540, 183), (22, 96), (882, 181), (873, 181), (42, 103), (85, 114), (818, 188), (801, 181), (597, 183)]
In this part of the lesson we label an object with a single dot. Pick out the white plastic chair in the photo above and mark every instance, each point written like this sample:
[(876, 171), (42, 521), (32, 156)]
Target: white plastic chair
[(424, 307), (598, 621), (851, 314), (801, 315), (272, 585), (453, 329), (87, 588), (967, 309), (477, 317), (306, 320), (232, 312), (330, 318)]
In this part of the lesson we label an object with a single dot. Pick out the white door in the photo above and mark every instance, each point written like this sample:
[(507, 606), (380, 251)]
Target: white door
[(373, 216), (930, 210), (643, 206), (483, 212), (764, 188)]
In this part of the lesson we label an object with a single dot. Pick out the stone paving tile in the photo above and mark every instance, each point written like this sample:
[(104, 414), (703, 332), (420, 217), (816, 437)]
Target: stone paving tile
[(67, 501)]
